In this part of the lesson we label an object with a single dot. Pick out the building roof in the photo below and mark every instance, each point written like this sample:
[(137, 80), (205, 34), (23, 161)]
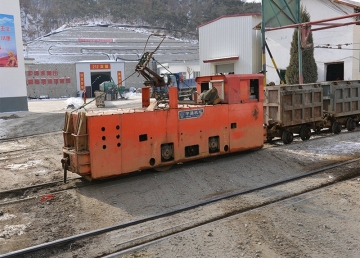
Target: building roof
[(348, 3), (229, 16)]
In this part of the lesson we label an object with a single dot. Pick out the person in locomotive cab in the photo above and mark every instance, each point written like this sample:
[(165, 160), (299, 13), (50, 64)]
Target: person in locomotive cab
[(12, 61)]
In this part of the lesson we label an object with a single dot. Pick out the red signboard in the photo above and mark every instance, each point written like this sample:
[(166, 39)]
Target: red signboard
[(67, 80), (42, 73), (43, 81), (48, 73), (56, 80), (29, 73), (119, 75), (95, 40), (30, 81), (62, 80), (99, 66), (37, 81), (49, 81), (82, 80), (36, 73)]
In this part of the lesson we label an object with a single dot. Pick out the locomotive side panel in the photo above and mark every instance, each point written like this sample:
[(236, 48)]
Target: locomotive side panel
[(105, 142), (144, 134), (246, 126), (203, 131)]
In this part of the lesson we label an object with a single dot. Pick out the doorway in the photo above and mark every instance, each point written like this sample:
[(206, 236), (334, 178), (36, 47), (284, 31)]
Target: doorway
[(97, 78), (334, 71)]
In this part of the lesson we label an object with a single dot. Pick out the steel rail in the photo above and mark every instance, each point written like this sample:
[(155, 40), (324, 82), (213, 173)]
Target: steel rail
[(29, 135), (14, 190), (166, 214)]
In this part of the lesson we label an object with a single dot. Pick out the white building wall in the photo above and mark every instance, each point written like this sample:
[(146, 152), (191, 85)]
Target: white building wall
[(231, 36), (279, 42), (355, 56), (13, 93), (184, 68)]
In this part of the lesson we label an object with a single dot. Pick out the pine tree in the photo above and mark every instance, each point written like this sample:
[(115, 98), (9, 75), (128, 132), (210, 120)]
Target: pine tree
[(310, 74)]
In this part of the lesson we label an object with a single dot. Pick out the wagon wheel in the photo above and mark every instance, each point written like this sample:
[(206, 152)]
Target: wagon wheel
[(336, 127), (163, 168), (350, 124), (305, 133), (287, 137)]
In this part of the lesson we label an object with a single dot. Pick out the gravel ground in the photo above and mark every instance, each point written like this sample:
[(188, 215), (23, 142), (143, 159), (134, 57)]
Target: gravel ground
[(321, 224)]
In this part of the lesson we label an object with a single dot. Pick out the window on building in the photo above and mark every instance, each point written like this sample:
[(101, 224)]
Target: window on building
[(224, 68), (196, 74)]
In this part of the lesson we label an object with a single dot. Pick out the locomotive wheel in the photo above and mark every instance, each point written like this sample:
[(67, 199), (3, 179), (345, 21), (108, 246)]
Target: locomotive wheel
[(287, 137), (350, 124), (163, 168), (213, 144), (305, 133), (166, 152), (336, 127)]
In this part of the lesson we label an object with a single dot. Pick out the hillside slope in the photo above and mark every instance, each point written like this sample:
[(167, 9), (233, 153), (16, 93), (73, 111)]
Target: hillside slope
[(179, 17)]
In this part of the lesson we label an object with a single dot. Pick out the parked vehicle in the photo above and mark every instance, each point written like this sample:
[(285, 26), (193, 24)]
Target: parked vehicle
[(186, 87)]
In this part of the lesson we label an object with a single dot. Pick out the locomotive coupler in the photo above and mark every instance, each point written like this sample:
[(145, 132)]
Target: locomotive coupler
[(65, 165)]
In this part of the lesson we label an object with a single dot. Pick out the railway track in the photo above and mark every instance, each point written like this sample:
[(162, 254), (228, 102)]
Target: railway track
[(132, 235), (20, 137), (17, 195), (22, 194)]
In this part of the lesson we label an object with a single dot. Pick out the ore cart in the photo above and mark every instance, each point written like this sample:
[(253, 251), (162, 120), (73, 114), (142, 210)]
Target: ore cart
[(341, 101), (293, 109)]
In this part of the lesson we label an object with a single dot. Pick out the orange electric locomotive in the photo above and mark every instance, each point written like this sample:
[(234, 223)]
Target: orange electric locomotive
[(227, 118)]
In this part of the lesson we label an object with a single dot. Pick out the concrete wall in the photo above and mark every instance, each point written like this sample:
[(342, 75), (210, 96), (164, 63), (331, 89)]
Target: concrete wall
[(52, 80), (12, 79), (68, 71)]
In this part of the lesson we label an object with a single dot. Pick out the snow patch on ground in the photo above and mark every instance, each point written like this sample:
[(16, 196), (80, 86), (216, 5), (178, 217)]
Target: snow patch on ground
[(74, 102), (29, 164), (13, 230), (7, 216), (132, 95)]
